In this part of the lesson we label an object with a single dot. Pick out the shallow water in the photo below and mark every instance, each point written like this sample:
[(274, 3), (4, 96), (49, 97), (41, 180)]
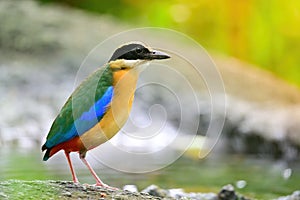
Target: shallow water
[(258, 178)]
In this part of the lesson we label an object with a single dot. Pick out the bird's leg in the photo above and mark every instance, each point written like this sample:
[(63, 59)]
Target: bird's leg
[(98, 180), (74, 177)]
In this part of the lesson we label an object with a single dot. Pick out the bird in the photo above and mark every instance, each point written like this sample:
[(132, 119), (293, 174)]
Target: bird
[(99, 106)]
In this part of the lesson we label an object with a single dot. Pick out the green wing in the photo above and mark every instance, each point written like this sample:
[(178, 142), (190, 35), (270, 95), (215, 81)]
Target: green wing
[(71, 120)]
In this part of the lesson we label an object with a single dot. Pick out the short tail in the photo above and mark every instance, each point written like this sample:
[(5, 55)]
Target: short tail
[(47, 154), (50, 151)]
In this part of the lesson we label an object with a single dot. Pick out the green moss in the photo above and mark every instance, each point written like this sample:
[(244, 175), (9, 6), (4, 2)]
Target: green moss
[(16, 189)]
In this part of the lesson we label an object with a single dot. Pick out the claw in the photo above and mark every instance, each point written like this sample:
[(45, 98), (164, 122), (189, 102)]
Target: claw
[(106, 186)]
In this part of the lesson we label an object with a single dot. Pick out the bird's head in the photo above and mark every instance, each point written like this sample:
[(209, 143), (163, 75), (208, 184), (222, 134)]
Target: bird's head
[(133, 54)]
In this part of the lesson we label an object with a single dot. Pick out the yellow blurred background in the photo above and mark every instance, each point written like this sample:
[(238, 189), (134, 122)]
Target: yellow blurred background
[(264, 33)]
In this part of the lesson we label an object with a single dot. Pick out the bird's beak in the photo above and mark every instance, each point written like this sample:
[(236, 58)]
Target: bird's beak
[(157, 55)]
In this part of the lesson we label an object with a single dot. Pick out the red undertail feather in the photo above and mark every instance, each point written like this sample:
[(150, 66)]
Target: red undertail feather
[(73, 145)]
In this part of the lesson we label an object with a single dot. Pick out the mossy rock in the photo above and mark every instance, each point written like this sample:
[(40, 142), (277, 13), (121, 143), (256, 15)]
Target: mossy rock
[(66, 190)]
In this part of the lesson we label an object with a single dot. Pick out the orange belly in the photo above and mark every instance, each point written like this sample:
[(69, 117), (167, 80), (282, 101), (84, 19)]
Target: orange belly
[(118, 112)]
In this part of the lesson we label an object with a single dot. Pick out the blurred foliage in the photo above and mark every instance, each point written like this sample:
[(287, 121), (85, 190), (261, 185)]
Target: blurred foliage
[(265, 33)]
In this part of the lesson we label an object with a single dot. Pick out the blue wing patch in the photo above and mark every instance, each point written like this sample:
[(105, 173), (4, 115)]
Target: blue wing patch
[(86, 121), (99, 108)]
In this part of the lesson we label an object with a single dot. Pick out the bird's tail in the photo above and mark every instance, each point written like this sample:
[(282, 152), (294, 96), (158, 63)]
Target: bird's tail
[(49, 152), (47, 155)]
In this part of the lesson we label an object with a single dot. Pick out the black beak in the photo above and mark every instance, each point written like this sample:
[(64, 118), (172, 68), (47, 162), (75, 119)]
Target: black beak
[(157, 55)]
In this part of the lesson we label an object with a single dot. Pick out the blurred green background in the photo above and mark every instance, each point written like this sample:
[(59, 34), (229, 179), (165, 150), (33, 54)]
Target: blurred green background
[(265, 33)]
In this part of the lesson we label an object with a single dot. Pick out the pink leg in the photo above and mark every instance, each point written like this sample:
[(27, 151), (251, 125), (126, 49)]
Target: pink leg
[(75, 180), (98, 181)]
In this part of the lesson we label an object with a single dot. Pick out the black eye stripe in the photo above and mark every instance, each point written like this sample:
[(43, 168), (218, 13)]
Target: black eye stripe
[(130, 52), (139, 50)]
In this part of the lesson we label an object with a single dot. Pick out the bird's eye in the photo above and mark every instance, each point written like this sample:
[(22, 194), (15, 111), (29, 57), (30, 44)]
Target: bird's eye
[(138, 50)]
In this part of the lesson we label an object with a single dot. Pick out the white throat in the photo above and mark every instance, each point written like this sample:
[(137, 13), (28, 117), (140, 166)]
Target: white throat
[(138, 65), (134, 63)]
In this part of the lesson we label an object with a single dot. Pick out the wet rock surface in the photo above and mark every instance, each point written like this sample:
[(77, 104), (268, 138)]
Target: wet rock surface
[(67, 190), (84, 191)]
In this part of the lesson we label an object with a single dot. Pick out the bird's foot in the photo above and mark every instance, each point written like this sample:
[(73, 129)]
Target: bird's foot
[(106, 186), (86, 184), (76, 182)]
